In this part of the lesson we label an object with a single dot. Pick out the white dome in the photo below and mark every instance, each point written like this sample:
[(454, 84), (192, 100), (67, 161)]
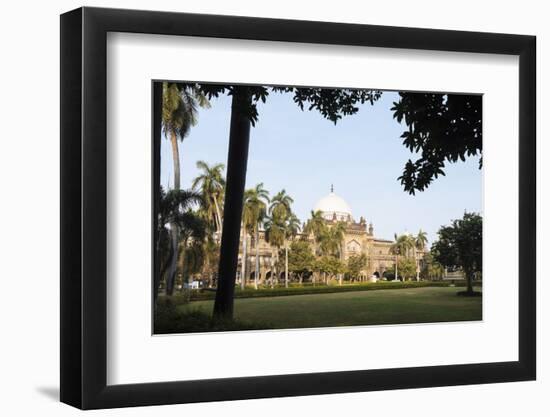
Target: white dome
[(333, 204)]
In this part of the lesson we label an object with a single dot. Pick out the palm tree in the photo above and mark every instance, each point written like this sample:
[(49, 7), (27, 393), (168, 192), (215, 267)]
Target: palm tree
[(254, 212), (292, 227), (402, 246), (330, 242), (175, 210), (211, 183), (336, 236), (280, 205), (211, 250), (281, 211), (179, 114), (420, 242), (275, 235), (315, 227), (248, 219)]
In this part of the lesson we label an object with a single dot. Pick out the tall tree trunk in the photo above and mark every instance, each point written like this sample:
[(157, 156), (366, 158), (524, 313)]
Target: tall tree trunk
[(417, 265), (396, 260), (470, 288), (161, 273), (239, 136), (276, 267), (171, 275), (175, 159), (272, 268), (218, 215), (243, 261), (341, 275), (257, 266), (286, 264), (174, 231)]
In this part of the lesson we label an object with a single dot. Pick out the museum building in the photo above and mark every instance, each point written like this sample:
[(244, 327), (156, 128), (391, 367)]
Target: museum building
[(359, 238)]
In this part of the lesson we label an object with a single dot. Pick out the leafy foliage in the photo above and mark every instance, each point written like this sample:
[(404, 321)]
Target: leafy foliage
[(175, 207), (169, 320), (330, 265), (356, 264), (176, 210), (332, 104), (406, 268), (460, 245), (211, 184), (297, 289), (300, 258), (403, 245), (441, 128), (179, 110), (389, 273)]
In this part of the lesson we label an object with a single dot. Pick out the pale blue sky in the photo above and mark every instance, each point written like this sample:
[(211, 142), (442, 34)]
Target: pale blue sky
[(362, 155)]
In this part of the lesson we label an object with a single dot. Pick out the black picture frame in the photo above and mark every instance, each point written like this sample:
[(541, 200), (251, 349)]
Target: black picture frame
[(84, 207)]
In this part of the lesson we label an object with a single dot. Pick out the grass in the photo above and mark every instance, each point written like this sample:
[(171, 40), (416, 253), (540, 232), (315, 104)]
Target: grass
[(349, 308)]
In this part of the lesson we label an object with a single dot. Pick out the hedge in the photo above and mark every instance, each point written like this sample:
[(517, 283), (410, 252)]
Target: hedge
[(209, 294)]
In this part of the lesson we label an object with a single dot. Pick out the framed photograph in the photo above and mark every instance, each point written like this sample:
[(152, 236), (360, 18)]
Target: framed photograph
[(257, 208)]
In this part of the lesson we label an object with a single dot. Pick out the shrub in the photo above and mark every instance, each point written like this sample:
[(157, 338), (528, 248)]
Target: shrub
[(168, 319), (201, 295), (389, 275)]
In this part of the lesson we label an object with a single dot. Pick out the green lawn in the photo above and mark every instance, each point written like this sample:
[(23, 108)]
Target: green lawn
[(396, 306)]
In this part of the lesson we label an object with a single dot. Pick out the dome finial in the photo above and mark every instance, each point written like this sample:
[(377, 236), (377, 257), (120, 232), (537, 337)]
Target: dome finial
[(331, 188)]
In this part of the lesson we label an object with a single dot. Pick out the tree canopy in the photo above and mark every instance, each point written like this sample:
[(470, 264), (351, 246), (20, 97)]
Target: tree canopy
[(406, 268), (441, 128), (300, 258), (460, 245), (356, 264), (331, 103)]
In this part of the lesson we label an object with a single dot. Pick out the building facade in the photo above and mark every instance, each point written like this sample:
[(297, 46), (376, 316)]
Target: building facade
[(359, 238)]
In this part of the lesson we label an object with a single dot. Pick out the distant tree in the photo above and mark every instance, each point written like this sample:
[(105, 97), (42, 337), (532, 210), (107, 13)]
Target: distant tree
[(179, 114), (175, 209), (442, 128), (281, 205), (254, 213), (331, 242), (435, 270), (356, 264), (420, 241), (330, 266), (460, 245), (389, 272), (292, 227), (432, 269), (315, 224), (211, 184), (211, 249), (402, 247), (301, 260), (180, 104), (281, 213), (275, 236), (406, 268), (191, 260)]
